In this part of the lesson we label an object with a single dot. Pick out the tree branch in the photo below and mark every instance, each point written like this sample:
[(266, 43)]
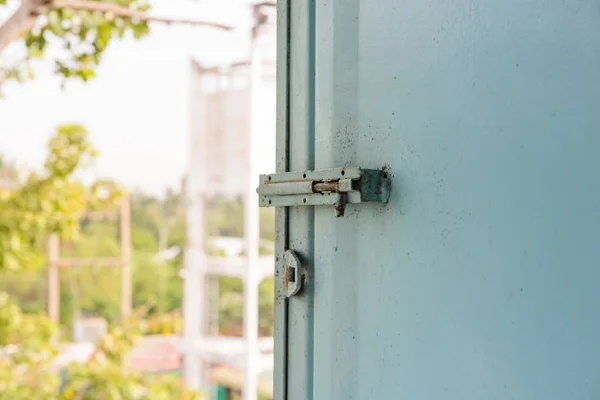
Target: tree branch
[(21, 21), (120, 11)]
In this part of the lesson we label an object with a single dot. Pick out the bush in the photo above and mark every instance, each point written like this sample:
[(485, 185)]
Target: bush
[(29, 345)]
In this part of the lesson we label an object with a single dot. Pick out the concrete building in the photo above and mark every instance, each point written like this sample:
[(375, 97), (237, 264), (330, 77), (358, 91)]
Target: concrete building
[(231, 143)]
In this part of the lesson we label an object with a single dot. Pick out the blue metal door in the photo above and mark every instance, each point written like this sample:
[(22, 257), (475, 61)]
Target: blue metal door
[(480, 279)]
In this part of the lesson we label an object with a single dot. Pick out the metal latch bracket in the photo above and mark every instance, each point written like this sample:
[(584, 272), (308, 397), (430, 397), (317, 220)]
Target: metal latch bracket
[(292, 273), (336, 187)]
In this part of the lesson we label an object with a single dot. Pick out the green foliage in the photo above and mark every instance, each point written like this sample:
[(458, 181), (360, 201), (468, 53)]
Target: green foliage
[(164, 324), (226, 218), (156, 284), (231, 300), (52, 201), (83, 36), (28, 346), (28, 287), (266, 307), (89, 292), (21, 329), (97, 238), (146, 215), (95, 290), (143, 240), (231, 306), (267, 224)]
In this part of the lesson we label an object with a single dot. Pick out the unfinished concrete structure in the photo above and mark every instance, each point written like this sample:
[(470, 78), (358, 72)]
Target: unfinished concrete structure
[(232, 131)]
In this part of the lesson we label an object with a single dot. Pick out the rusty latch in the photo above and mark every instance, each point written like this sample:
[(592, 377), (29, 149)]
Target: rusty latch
[(337, 187), (292, 273)]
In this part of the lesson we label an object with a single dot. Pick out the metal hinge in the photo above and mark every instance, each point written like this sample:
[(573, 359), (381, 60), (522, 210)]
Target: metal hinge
[(336, 187)]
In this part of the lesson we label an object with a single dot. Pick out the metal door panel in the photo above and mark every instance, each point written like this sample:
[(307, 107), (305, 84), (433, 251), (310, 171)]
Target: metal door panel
[(479, 279)]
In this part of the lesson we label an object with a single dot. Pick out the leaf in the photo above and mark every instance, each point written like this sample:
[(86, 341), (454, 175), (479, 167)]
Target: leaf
[(103, 36), (140, 30)]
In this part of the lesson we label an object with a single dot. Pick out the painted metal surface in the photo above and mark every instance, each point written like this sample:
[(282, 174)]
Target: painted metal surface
[(479, 279)]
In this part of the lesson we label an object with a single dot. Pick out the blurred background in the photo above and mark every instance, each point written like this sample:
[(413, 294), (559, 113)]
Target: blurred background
[(132, 134)]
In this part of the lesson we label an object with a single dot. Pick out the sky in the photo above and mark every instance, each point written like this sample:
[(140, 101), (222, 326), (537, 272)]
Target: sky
[(137, 108)]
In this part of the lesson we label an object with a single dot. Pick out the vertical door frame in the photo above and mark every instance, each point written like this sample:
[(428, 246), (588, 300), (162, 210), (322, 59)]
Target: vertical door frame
[(293, 377), (281, 214)]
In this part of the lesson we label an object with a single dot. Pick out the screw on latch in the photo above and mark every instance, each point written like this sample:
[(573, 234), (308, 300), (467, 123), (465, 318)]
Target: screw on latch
[(293, 273)]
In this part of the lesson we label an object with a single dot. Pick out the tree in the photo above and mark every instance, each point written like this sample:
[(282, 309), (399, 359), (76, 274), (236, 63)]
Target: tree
[(29, 345), (50, 202), (94, 291), (84, 28), (156, 283)]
